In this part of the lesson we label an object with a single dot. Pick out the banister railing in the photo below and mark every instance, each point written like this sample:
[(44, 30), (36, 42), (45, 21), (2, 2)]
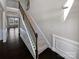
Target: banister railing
[(24, 14), (31, 30), (26, 20)]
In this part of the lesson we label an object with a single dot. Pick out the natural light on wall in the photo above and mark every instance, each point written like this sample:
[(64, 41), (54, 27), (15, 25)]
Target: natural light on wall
[(67, 8)]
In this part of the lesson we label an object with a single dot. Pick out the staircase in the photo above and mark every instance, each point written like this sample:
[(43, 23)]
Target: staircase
[(41, 42), (27, 33), (42, 45)]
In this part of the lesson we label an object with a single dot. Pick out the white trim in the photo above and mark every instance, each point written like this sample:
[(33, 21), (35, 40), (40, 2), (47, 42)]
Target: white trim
[(1, 34), (33, 19), (4, 41), (28, 35), (65, 47), (2, 2), (4, 35), (27, 44), (60, 52), (12, 9), (73, 42), (4, 27)]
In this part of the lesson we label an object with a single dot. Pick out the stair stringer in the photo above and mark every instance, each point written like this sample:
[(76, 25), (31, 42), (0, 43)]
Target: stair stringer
[(43, 43)]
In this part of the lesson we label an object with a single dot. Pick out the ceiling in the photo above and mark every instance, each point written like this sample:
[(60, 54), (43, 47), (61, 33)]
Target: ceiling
[(12, 3), (1, 7)]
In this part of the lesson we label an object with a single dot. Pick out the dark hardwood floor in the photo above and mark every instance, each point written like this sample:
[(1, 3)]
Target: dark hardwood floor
[(49, 54), (14, 48)]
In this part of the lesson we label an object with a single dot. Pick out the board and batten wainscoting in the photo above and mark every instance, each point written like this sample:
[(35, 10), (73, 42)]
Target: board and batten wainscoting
[(67, 48)]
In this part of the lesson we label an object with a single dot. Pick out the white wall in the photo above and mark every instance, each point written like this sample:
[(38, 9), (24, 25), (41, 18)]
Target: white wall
[(12, 3), (49, 16), (3, 3)]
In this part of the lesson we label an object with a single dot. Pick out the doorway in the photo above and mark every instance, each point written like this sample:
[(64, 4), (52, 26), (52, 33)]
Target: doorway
[(13, 26)]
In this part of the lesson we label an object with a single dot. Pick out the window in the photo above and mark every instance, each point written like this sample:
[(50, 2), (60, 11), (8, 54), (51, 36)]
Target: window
[(13, 21), (68, 4)]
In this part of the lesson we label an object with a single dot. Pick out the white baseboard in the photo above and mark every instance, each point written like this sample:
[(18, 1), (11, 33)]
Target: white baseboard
[(67, 48), (4, 41)]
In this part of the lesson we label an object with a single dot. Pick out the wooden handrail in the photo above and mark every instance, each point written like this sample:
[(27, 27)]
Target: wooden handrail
[(35, 34), (23, 13)]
